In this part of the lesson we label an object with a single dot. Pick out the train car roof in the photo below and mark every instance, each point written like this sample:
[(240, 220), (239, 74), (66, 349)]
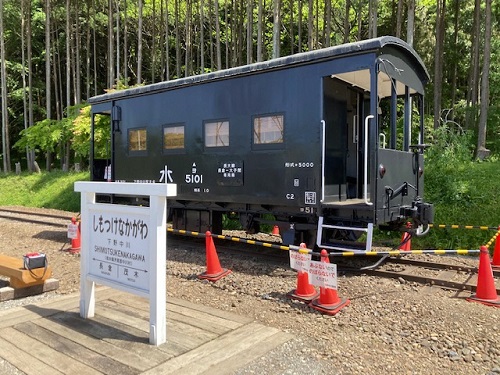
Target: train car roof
[(380, 45)]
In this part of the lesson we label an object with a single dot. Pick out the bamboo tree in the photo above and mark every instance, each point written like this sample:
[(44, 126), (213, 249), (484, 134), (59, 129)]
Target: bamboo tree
[(249, 31)]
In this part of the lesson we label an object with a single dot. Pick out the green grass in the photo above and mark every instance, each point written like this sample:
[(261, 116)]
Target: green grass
[(44, 190)]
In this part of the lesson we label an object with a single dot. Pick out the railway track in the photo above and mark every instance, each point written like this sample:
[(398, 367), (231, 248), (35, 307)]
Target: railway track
[(445, 272), (440, 274)]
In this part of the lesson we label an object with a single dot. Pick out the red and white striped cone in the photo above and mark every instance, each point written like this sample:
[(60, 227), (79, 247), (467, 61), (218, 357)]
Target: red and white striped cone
[(328, 301), (304, 291)]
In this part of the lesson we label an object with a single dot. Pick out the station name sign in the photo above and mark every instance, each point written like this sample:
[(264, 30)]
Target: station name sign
[(119, 248)]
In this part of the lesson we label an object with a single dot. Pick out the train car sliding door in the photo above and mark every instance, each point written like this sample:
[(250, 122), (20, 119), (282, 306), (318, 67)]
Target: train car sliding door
[(342, 111)]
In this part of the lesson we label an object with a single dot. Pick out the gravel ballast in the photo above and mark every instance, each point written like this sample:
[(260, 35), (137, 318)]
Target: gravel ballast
[(390, 326)]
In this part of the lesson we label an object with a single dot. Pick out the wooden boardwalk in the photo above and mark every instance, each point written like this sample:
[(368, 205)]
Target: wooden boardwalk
[(51, 338)]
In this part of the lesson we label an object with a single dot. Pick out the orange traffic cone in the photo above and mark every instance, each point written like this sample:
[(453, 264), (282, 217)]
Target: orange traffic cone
[(214, 271), (406, 240), (276, 231), (304, 292), (495, 263), (486, 292), (328, 301), (75, 236)]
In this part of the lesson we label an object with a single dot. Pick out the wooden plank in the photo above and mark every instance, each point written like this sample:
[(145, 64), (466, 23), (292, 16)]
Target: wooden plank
[(18, 358), (37, 349), (182, 333), (122, 355), (122, 336), (225, 315), (212, 353), (179, 304), (76, 351), (208, 317), (242, 358), (203, 321)]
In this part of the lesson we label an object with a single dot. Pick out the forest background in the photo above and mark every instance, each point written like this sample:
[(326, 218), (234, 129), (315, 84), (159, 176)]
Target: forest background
[(55, 54)]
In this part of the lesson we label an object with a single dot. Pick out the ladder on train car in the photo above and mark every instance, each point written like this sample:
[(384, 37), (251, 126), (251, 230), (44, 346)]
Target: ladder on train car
[(344, 245)]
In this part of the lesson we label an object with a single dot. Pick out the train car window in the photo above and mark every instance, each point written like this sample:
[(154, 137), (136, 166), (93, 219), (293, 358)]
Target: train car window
[(173, 137), (137, 139), (268, 129), (217, 134)]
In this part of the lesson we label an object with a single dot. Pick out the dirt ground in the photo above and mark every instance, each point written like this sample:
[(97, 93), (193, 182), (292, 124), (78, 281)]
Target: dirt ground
[(390, 326)]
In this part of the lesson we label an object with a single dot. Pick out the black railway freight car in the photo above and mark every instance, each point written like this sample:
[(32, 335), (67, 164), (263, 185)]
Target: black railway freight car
[(325, 144)]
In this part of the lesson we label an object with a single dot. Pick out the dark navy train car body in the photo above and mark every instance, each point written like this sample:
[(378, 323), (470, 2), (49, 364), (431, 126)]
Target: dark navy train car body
[(325, 144)]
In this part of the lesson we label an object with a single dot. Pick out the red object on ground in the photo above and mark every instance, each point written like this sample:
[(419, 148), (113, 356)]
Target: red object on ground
[(486, 292), (304, 291), (76, 242), (214, 271), (328, 301)]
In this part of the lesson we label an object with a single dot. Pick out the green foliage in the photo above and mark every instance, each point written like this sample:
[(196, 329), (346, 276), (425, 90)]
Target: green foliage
[(81, 134), (47, 190), (463, 191)]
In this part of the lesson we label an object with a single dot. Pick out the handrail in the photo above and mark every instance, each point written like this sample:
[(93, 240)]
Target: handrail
[(365, 182), (323, 148)]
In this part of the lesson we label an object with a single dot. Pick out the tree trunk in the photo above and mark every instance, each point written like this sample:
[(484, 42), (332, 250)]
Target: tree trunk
[(482, 151), (78, 93), (410, 27), (373, 18), (87, 53), (472, 93), (260, 31), (328, 22), (217, 35), (438, 61), (187, 62), (310, 12), (48, 103), (125, 43), (4, 106), (111, 68), (399, 16), (167, 46), (250, 32), (202, 37), (347, 24), (276, 28), (455, 58), (177, 40), (139, 45), (117, 69), (68, 54)]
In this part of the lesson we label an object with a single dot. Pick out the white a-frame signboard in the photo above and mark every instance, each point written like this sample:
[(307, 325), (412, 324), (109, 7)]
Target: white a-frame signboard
[(125, 247)]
